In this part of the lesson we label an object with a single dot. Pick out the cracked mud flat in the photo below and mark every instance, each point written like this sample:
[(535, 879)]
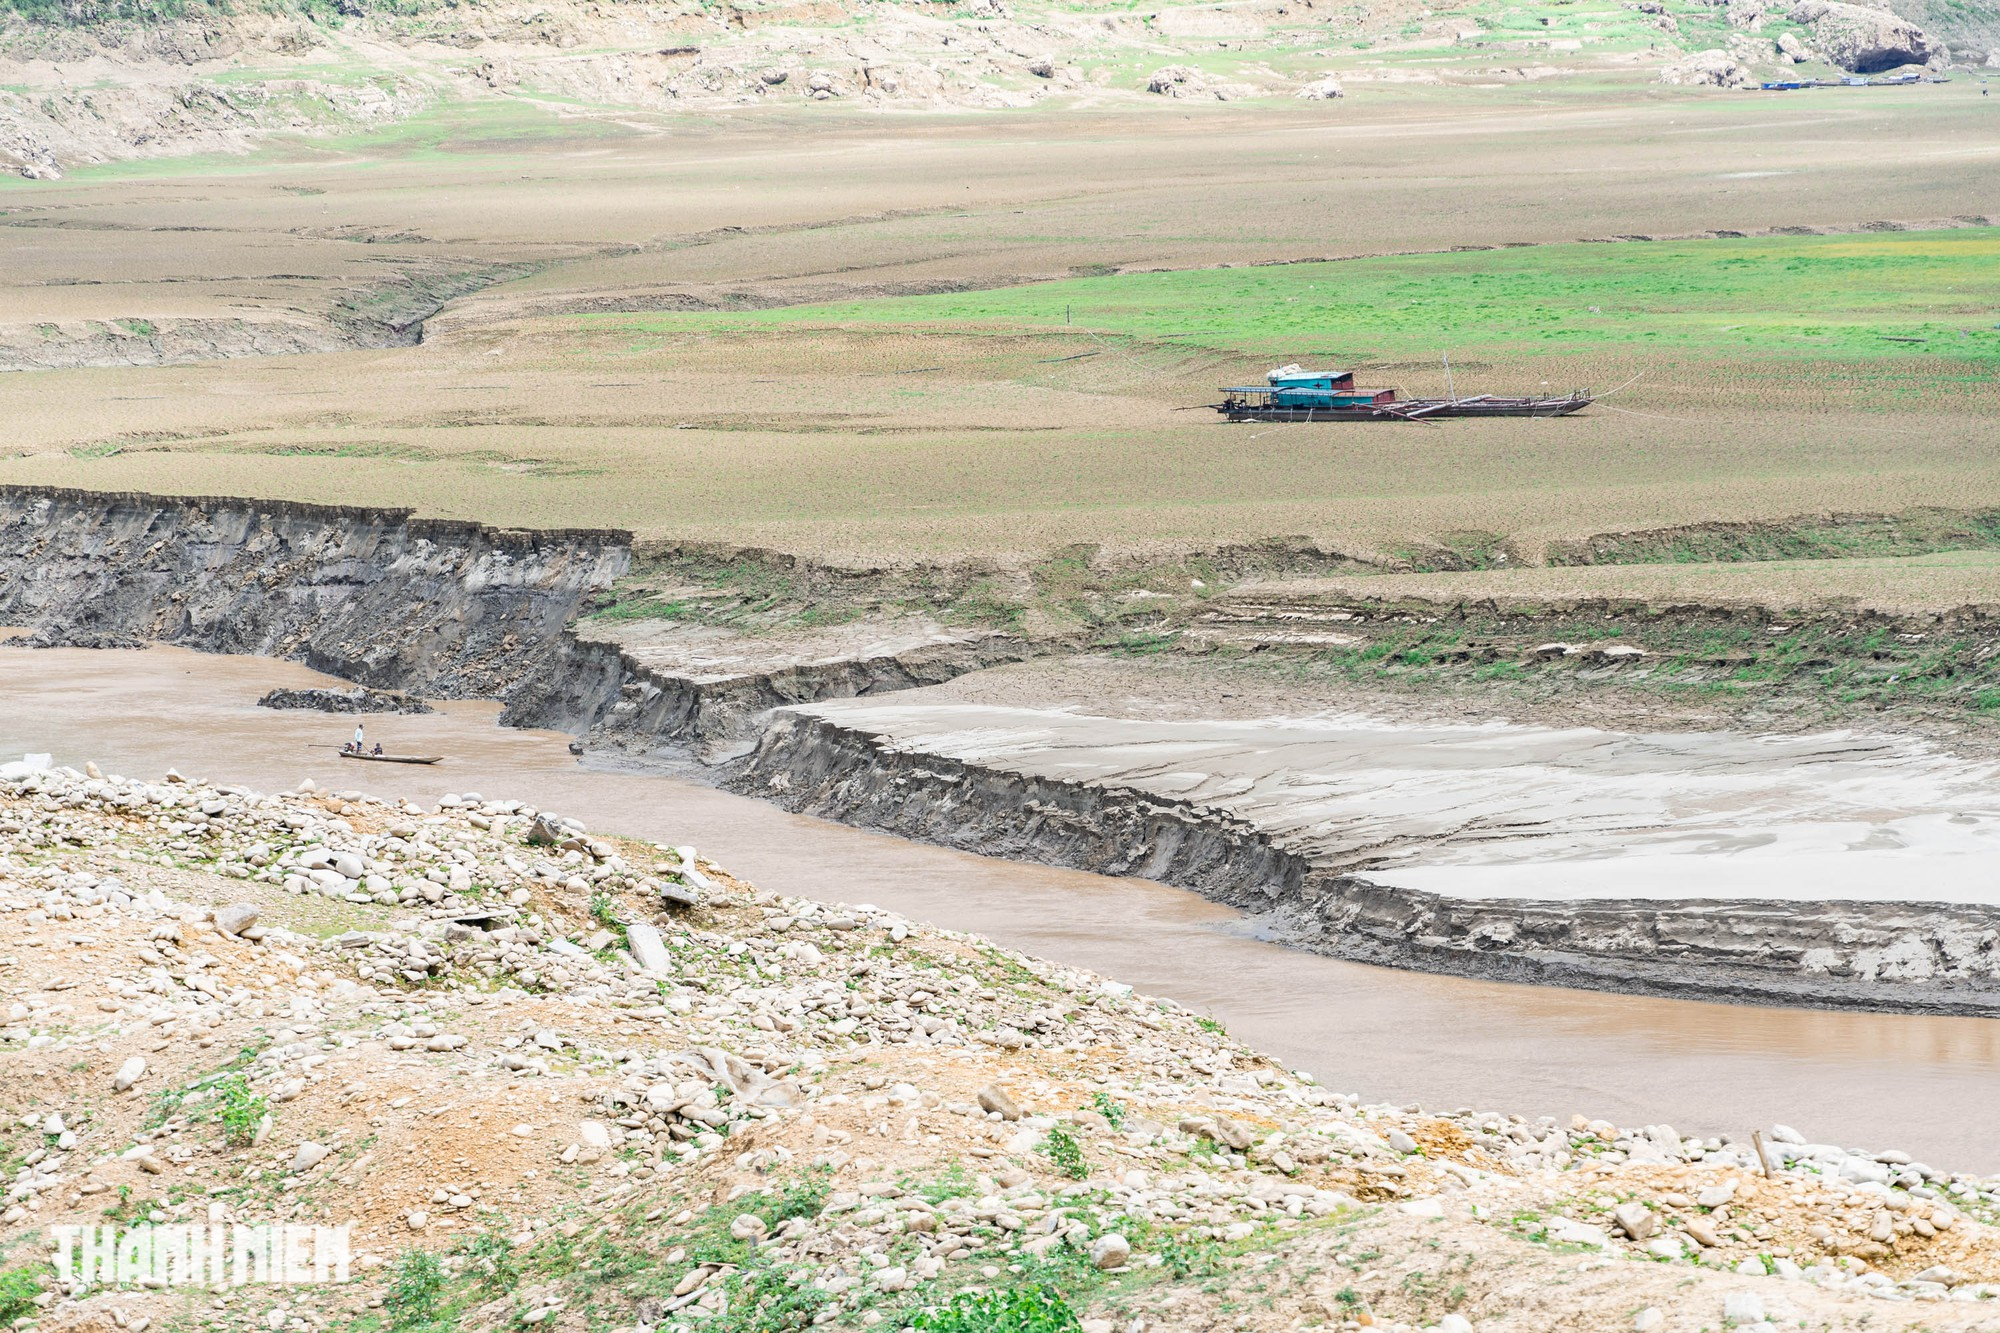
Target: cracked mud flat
[(1826, 869)]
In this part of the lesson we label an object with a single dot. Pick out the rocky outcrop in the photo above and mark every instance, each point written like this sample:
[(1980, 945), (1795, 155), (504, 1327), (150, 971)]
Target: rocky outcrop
[(51, 129), (1183, 81), (1865, 40), (1714, 68), (1932, 958)]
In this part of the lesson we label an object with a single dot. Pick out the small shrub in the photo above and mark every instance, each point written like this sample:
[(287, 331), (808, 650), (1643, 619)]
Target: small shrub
[(604, 910), (239, 1110), (1029, 1309), (955, 1183), (490, 1257), (416, 1290), (802, 1197), (1112, 1111), (1063, 1149), (1185, 1257), (769, 1298)]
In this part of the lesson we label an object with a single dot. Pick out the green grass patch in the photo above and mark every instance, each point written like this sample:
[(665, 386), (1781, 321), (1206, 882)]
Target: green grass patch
[(1890, 294), (1032, 1309), (1830, 668), (18, 1289)]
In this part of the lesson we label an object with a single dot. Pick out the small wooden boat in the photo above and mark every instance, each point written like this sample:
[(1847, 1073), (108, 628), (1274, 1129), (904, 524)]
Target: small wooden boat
[(393, 758)]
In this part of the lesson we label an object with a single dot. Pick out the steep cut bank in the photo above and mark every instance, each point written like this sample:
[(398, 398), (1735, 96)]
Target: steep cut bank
[(375, 595), (426, 606), (618, 701), (1607, 896)]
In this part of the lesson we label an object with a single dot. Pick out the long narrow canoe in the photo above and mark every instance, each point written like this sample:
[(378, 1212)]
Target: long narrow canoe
[(394, 758)]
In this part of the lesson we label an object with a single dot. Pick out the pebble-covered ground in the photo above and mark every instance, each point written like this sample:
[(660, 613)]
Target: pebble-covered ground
[(568, 1081)]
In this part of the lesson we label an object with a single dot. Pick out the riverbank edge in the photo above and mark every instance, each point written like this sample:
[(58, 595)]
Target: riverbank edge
[(459, 609), (1926, 958)]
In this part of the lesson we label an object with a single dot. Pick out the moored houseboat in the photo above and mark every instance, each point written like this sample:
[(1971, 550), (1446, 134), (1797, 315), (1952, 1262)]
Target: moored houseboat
[(1294, 393)]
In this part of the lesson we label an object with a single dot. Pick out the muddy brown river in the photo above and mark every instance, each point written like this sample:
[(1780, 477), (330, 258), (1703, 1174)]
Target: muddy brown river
[(1927, 1085)]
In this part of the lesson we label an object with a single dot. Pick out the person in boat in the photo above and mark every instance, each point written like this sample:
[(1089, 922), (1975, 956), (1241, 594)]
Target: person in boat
[(357, 738), (378, 747)]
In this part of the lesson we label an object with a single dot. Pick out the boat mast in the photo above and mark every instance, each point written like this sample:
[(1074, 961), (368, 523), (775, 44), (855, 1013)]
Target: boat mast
[(1449, 391)]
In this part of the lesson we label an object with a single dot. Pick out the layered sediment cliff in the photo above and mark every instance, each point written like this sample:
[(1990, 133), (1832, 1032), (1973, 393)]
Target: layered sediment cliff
[(1933, 957), (619, 703), (386, 599), (375, 595)]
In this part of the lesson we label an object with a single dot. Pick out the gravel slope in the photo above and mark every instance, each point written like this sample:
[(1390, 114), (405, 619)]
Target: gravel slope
[(327, 1008)]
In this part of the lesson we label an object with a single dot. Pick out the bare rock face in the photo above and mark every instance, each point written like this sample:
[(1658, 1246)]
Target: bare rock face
[(1714, 68), (1864, 40), (1324, 90), (1177, 81)]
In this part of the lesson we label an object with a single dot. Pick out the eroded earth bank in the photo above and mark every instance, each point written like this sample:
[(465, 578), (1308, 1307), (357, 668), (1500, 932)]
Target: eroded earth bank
[(1074, 714)]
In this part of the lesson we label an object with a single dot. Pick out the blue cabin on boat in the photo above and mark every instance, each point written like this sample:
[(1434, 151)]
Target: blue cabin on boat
[(1295, 386)]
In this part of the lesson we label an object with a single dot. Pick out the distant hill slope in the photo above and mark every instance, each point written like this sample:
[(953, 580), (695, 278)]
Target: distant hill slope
[(86, 81)]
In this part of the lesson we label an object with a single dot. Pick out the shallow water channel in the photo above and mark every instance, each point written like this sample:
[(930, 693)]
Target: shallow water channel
[(1927, 1085)]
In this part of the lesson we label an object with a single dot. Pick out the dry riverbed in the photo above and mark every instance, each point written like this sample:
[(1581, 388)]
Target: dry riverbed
[(603, 1084)]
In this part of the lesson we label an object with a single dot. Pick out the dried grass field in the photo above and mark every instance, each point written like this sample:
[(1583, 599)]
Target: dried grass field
[(625, 363)]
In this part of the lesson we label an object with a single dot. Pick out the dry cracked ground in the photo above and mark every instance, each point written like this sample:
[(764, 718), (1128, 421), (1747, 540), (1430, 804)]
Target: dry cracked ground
[(575, 1082)]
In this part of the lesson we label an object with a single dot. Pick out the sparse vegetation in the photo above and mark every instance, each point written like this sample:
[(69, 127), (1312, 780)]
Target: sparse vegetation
[(415, 1293), (1033, 1309), (1062, 1148), (19, 1286), (1739, 296), (239, 1109)]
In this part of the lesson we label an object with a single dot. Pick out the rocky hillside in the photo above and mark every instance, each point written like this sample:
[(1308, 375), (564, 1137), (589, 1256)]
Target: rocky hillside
[(88, 82), (568, 1081)]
